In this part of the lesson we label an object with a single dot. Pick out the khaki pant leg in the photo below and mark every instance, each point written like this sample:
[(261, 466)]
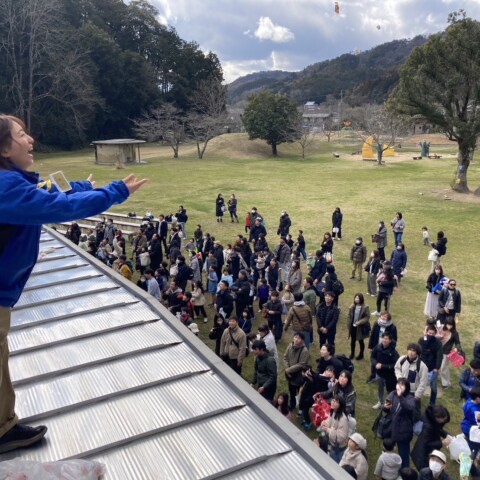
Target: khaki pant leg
[(7, 395)]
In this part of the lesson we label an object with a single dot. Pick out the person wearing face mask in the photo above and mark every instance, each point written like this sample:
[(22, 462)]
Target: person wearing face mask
[(380, 239), (401, 405), (358, 255), (431, 356), (437, 461), (432, 436), (398, 259)]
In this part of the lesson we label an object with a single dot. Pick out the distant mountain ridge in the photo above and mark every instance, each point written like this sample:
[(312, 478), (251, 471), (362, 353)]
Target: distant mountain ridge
[(366, 77)]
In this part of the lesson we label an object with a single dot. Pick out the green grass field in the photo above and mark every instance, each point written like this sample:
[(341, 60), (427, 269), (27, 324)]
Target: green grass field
[(310, 190)]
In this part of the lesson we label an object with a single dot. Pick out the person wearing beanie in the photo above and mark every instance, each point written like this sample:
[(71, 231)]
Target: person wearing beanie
[(356, 455)]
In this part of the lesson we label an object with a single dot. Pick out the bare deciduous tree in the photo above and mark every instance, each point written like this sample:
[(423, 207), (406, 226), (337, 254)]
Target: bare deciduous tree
[(382, 125), (165, 124)]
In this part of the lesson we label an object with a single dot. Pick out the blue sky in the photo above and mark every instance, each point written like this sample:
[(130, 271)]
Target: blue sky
[(256, 35)]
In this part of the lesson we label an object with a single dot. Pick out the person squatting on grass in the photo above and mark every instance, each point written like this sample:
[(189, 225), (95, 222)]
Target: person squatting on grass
[(26, 204)]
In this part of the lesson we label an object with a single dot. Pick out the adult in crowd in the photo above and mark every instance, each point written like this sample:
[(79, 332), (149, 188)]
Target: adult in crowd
[(450, 342), (219, 257), (184, 273), (327, 246), (372, 268), (380, 239), (256, 230), (432, 436), (25, 205), (431, 356), (273, 308), (327, 319), (449, 301), (110, 230), (319, 268), (233, 345), (295, 359), (182, 219), (300, 317), (173, 295), (337, 219), (295, 277), (411, 367), (401, 405), (153, 288), (440, 246), (216, 333), (162, 230), (223, 301), (310, 295), (358, 255), (398, 260), (398, 226), (437, 462), (336, 428), (435, 283), (284, 224), (282, 254), (273, 274), (331, 282), (265, 334), (265, 371), (470, 379), (195, 266), (386, 283), (344, 388), (232, 208), (383, 359), (241, 290), (358, 325), (301, 245), (219, 207), (471, 418)]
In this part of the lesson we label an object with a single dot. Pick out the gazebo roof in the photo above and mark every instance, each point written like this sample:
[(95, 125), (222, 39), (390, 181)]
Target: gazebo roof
[(118, 141)]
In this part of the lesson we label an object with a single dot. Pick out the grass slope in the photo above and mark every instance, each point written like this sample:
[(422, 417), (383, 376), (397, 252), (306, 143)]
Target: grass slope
[(310, 189)]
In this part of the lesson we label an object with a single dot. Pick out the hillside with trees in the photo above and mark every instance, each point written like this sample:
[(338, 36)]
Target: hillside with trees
[(76, 71), (366, 77)]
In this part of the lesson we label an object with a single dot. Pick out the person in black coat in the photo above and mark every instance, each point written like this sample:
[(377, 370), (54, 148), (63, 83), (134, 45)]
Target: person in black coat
[(184, 273), (241, 289), (337, 219), (327, 319), (284, 224), (383, 360), (256, 230), (162, 230), (219, 325), (434, 419), (155, 250), (445, 308), (224, 301), (219, 207), (320, 268), (218, 254)]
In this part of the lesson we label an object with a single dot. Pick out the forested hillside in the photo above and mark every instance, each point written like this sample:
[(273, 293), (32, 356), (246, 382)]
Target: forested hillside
[(79, 70), (363, 77)]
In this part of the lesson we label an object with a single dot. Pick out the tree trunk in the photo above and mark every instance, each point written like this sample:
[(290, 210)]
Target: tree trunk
[(465, 154), (274, 149), (379, 154)]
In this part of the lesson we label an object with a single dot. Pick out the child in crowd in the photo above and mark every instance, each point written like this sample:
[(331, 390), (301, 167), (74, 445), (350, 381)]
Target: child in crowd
[(191, 245), (185, 316), (263, 292), (310, 261), (227, 277), (329, 373), (426, 236), (247, 222), (212, 283), (162, 275), (187, 302), (389, 463), (281, 404)]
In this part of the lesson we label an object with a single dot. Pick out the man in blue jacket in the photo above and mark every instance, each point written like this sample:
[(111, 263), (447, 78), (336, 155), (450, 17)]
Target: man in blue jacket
[(25, 204)]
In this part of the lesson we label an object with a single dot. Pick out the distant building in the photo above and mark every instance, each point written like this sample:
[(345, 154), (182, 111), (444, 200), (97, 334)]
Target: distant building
[(421, 126), (117, 152), (314, 117)]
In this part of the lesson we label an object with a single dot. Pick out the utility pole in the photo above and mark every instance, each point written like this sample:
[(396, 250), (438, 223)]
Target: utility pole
[(340, 112)]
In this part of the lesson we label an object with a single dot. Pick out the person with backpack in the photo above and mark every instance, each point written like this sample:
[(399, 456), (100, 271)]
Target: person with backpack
[(411, 367), (358, 325), (332, 283), (327, 319), (300, 317), (265, 371), (124, 269)]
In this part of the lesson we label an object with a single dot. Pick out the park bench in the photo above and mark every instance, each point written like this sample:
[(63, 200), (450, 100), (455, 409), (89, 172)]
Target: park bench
[(418, 157), (435, 156)]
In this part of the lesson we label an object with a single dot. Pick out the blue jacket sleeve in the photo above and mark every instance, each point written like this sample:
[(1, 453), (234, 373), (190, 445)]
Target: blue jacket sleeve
[(22, 203)]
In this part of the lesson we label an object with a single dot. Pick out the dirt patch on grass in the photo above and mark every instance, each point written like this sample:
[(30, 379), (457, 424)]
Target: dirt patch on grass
[(433, 138)]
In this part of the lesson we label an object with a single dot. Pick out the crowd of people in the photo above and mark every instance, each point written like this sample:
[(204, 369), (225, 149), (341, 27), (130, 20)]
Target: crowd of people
[(259, 275)]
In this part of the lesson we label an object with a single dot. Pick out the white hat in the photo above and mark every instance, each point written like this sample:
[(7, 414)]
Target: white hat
[(440, 455), (193, 328), (359, 440)]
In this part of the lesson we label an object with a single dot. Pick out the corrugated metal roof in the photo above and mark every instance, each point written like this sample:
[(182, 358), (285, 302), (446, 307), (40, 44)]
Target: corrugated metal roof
[(118, 379)]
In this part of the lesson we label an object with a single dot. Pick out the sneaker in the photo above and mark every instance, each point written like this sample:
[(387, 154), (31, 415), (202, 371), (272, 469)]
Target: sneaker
[(205, 320), (21, 436), (307, 426), (445, 387), (376, 314), (377, 406), (370, 379), (299, 414)]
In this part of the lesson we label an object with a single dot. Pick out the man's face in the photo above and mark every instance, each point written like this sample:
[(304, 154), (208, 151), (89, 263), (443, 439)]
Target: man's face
[(412, 354), (328, 299), (297, 341), (386, 341), (258, 352), (282, 242), (475, 372), (451, 285), (232, 324)]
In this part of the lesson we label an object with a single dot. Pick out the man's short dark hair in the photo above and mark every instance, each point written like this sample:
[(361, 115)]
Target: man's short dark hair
[(259, 345), (148, 271), (415, 347)]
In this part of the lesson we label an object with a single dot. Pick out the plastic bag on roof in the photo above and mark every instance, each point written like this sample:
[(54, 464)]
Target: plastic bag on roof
[(18, 469)]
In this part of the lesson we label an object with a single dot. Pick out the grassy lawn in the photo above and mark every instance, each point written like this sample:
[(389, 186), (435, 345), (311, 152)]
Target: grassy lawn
[(310, 190)]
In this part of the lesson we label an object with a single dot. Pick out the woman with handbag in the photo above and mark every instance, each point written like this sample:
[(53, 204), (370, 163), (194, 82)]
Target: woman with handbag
[(434, 286), (358, 325), (219, 207), (450, 343), (337, 219)]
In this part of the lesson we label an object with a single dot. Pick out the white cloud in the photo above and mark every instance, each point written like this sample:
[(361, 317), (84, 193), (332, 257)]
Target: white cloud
[(267, 30), (165, 16)]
